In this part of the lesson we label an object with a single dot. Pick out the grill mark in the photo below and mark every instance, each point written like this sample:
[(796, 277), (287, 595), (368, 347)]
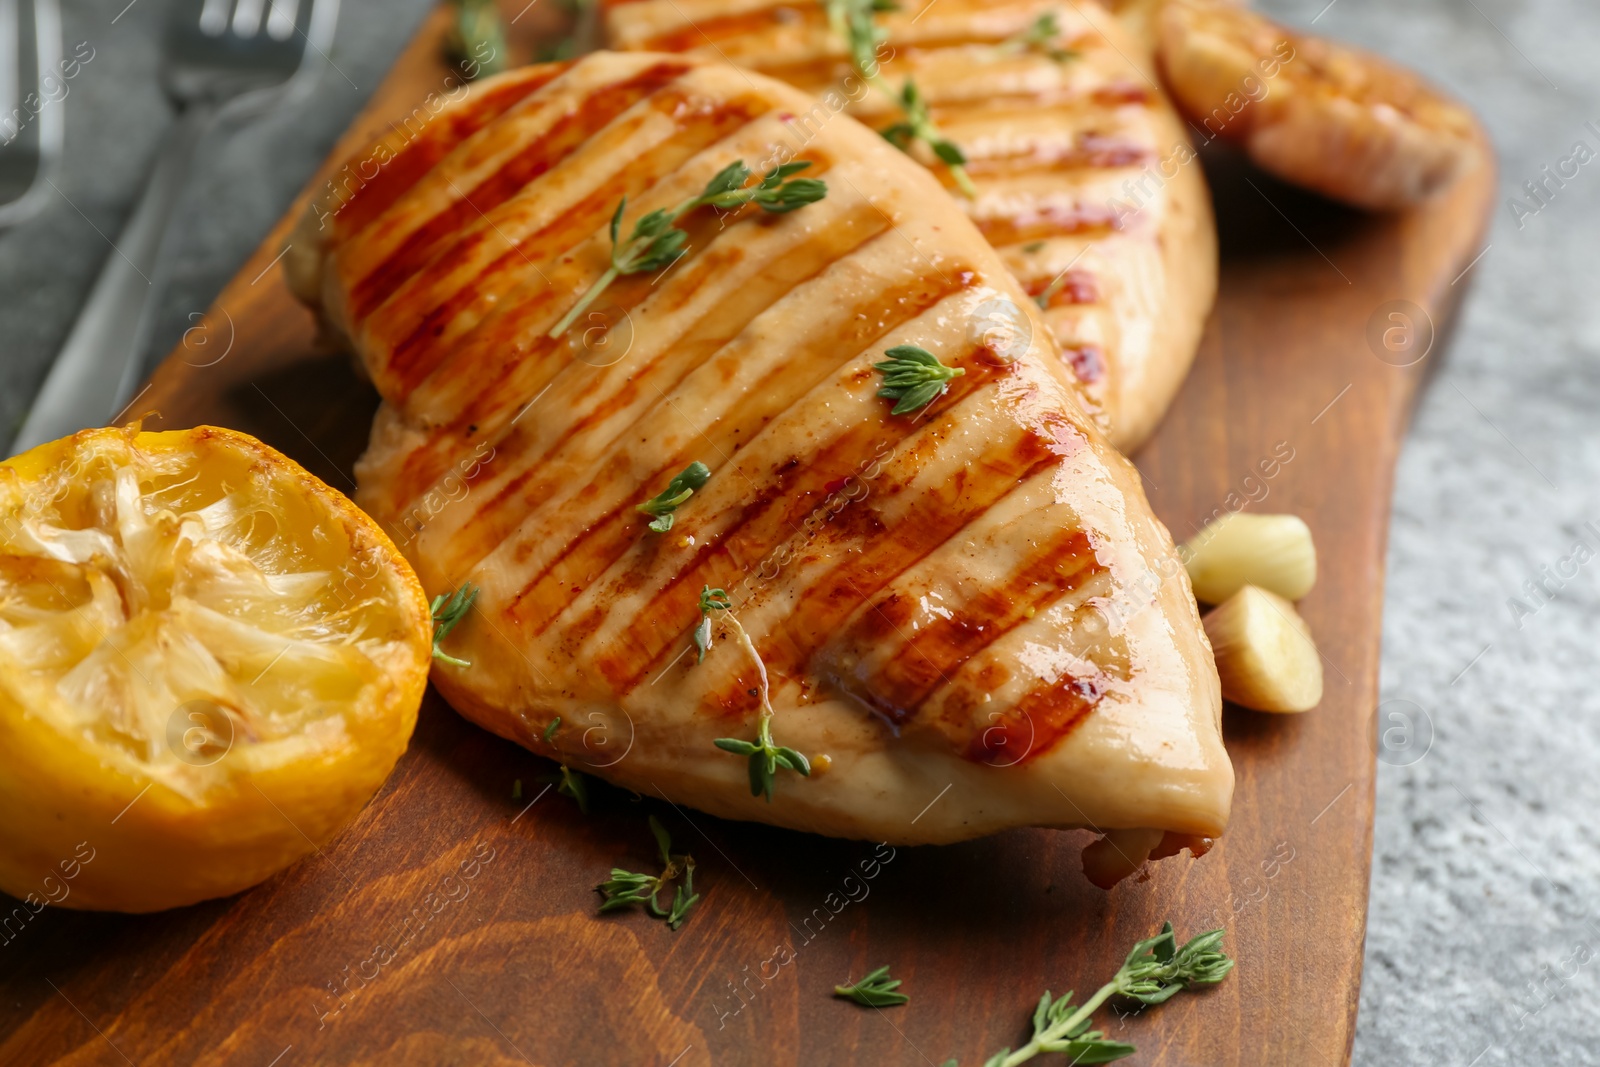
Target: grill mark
[(983, 104), (1078, 286), (938, 650), (755, 532), (426, 148), (1090, 152), (785, 499), (727, 27), (1088, 362), (764, 524), (1123, 92), (1036, 723), (414, 358), (422, 467), (570, 130), (822, 609), (488, 526), (622, 527), (832, 599), (1048, 221), (707, 32), (501, 344)]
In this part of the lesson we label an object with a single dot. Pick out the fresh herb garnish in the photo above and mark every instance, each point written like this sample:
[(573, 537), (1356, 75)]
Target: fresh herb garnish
[(853, 21), (918, 126), (1039, 37), (710, 600), (681, 488), (448, 610), (574, 785), (476, 41), (1155, 971), (874, 990), (914, 377), (625, 888), (765, 756), (656, 242), (550, 731)]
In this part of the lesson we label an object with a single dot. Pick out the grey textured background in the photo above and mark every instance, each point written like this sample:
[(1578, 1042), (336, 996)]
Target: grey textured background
[(1481, 943)]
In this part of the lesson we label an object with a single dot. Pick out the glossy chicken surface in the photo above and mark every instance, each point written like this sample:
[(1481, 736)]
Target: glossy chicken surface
[(1085, 178), (967, 616)]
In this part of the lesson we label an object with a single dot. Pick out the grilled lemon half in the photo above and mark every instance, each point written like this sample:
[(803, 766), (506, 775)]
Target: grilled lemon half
[(209, 661)]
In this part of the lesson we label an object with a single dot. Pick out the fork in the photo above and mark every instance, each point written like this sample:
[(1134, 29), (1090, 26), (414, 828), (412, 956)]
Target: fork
[(31, 134), (221, 59)]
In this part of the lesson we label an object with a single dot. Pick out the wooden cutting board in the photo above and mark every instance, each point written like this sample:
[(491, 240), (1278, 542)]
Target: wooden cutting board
[(1297, 403)]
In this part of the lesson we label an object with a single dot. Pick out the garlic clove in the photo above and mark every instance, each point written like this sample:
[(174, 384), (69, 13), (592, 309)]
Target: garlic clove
[(1265, 656), (1272, 552)]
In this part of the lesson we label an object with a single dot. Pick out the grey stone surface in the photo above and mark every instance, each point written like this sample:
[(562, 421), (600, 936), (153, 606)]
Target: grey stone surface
[(1480, 947), (1483, 939)]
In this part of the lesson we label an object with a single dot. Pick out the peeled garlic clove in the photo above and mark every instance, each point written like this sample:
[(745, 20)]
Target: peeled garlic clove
[(1273, 552), (1264, 652)]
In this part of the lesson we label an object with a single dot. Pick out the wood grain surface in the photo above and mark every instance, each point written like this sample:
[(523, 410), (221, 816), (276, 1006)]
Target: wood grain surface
[(366, 954)]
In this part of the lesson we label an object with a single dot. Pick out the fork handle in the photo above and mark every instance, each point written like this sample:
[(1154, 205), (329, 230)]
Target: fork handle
[(99, 361)]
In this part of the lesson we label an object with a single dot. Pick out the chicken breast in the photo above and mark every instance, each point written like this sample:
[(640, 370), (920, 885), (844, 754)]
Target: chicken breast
[(1085, 178), (965, 617)]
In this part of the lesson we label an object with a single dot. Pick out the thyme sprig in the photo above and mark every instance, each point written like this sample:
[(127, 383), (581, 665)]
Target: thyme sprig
[(854, 22), (765, 756), (680, 489), (1040, 36), (1156, 970), (626, 888), (448, 609), (873, 990), (657, 243), (913, 377)]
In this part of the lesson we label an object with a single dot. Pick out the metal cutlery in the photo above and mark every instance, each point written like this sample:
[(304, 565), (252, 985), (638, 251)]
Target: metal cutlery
[(32, 114), (221, 59)]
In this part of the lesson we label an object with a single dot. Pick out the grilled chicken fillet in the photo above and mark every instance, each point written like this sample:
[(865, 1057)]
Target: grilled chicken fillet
[(971, 604), (1086, 181)]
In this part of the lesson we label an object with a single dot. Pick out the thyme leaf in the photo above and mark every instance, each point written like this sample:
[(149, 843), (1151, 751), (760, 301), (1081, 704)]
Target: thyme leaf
[(448, 610), (575, 785), (873, 990), (680, 489), (913, 377)]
